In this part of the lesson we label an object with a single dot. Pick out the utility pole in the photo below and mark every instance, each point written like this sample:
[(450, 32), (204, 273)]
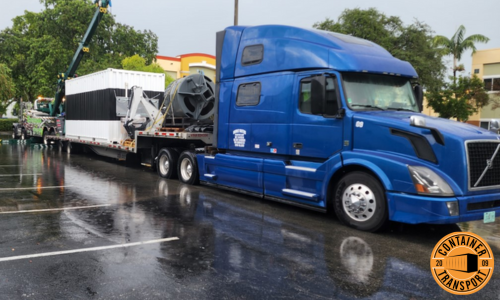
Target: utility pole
[(235, 12)]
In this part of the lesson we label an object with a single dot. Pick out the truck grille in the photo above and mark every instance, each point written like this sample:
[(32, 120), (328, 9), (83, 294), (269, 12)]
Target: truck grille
[(484, 160)]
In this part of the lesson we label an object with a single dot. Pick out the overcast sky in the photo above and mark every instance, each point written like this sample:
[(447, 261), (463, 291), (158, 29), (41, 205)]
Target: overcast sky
[(190, 25)]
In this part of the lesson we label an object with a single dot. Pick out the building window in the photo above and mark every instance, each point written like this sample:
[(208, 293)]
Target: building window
[(252, 55), (492, 84), (248, 94), (476, 71)]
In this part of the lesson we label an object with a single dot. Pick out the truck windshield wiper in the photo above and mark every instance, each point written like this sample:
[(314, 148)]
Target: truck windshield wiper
[(367, 106), (400, 108)]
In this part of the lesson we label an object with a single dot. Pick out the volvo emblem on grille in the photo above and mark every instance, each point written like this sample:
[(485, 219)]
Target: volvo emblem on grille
[(489, 165)]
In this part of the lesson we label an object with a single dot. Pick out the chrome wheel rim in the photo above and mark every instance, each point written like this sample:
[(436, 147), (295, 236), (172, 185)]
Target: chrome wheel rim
[(186, 169), (359, 202), (164, 165)]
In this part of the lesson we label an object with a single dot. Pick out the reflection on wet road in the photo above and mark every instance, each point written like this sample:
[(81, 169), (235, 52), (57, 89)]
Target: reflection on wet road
[(229, 246)]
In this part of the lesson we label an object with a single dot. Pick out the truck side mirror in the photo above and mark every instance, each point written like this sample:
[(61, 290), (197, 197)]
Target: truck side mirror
[(419, 96), (318, 97)]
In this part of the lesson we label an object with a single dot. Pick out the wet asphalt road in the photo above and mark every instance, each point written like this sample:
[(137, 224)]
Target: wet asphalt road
[(229, 246)]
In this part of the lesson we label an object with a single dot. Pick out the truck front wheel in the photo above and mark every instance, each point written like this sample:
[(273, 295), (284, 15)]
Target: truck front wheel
[(166, 164), (188, 168), (360, 202)]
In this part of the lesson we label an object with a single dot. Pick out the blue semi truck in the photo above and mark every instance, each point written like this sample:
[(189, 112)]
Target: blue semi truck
[(326, 121)]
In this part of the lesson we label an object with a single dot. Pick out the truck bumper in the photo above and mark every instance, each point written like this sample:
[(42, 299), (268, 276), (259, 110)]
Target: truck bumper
[(414, 209)]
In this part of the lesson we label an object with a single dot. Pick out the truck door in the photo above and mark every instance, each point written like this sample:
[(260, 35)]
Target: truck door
[(317, 135)]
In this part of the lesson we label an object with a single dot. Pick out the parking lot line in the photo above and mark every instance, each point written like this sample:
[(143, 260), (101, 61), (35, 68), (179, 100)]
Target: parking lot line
[(87, 249), (35, 188), (52, 209), (6, 175)]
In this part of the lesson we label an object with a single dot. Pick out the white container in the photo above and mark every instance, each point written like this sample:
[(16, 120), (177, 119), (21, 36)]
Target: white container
[(96, 131), (116, 79), (91, 102)]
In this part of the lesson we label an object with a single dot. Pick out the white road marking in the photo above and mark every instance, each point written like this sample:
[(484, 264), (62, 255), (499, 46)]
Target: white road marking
[(35, 188), (52, 209), (87, 249), (6, 175)]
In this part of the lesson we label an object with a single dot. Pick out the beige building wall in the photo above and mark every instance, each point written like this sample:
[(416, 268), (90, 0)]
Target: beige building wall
[(486, 65), (428, 110), (171, 65), (186, 64)]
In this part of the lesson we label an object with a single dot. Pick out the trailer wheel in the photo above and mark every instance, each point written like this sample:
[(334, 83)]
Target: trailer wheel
[(360, 202), (188, 168), (166, 164)]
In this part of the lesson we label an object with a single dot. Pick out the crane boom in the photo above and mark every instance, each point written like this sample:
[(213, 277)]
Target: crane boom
[(102, 6)]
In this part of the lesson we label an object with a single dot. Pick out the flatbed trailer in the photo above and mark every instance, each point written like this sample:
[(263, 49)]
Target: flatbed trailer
[(144, 142)]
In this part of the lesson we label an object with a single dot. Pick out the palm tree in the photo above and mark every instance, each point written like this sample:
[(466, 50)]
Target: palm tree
[(458, 44)]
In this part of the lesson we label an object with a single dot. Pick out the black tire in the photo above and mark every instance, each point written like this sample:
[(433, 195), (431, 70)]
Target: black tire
[(72, 148), (360, 202), (187, 168), (23, 135), (14, 135), (166, 164)]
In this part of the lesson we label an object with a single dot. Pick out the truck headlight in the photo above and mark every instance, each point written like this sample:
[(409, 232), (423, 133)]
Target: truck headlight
[(429, 183)]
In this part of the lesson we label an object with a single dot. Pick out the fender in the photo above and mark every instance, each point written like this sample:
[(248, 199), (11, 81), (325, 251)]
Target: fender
[(396, 166), (364, 162)]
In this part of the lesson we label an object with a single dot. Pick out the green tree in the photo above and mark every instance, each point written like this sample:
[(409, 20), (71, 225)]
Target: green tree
[(457, 45), (413, 43), (7, 89), (459, 99), (41, 45), (137, 63)]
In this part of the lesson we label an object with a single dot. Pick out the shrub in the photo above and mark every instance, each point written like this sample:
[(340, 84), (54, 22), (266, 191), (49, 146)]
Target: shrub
[(6, 124)]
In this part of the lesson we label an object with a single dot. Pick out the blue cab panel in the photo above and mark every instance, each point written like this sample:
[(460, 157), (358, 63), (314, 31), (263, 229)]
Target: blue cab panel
[(264, 126), (288, 48)]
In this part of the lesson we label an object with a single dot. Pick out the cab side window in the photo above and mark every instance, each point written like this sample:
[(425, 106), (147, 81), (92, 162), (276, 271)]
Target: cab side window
[(331, 105), (248, 94), (305, 96)]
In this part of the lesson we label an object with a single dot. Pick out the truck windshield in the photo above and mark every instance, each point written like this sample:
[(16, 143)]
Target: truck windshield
[(378, 92)]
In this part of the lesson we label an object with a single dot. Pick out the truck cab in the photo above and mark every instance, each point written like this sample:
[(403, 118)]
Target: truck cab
[(328, 121)]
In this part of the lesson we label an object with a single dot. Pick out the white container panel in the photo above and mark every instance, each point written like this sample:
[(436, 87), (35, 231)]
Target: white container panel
[(98, 131), (116, 79)]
